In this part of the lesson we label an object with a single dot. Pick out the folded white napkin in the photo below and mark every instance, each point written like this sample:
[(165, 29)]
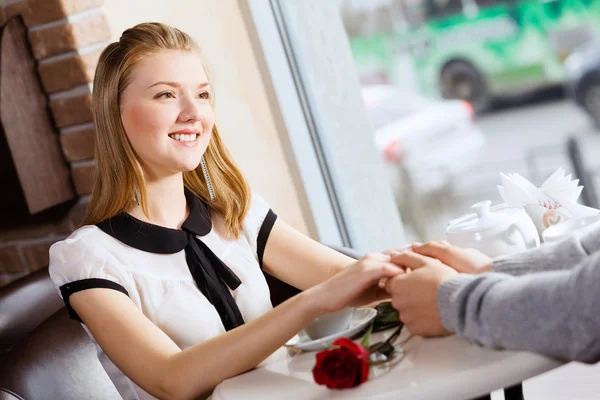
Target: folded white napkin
[(553, 202)]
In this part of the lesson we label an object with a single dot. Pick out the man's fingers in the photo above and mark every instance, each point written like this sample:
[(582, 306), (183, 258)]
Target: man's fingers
[(409, 259), (396, 286), (377, 257), (437, 250)]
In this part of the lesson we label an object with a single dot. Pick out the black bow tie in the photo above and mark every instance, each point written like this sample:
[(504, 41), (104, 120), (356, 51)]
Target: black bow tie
[(212, 276)]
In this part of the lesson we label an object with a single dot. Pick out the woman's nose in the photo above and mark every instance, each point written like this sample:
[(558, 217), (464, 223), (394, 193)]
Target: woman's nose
[(192, 110)]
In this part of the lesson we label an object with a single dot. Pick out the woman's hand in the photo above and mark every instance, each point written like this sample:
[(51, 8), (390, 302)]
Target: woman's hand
[(469, 261), (355, 285)]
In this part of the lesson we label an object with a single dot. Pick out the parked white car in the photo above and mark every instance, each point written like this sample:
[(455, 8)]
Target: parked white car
[(439, 139), (425, 144)]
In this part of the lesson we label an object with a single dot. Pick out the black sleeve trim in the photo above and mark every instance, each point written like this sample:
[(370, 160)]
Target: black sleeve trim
[(263, 235), (68, 289)]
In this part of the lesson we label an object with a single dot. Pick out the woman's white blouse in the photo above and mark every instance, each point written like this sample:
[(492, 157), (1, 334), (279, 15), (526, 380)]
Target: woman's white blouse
[(161, 285)]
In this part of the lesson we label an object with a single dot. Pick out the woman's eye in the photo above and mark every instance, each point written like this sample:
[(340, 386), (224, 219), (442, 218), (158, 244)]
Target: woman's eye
[(166, 95), (204, 95)]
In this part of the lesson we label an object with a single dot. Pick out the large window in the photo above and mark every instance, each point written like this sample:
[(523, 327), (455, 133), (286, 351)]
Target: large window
[(317, 93)]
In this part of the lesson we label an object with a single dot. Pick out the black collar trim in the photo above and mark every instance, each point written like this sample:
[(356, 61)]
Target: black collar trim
[(158, 239)]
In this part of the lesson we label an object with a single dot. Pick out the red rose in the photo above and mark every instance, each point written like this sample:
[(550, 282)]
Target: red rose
[(343, 366)]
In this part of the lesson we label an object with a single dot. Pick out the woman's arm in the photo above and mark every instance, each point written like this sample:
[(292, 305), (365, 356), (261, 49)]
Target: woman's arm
[(151, 359), (298, 260)]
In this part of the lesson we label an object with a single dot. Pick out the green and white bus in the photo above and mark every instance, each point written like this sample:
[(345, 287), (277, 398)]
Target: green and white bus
[(477, 50)]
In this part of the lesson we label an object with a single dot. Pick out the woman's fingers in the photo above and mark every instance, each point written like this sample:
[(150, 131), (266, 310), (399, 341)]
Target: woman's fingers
[(382, 282), (381, 295), (383, 272)]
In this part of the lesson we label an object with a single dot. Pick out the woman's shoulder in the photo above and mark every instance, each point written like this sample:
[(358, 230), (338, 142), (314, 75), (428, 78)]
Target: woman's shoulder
[(85, 232), (258, 223), (258, 209), (88, 253), (84, 248), (87, 235)]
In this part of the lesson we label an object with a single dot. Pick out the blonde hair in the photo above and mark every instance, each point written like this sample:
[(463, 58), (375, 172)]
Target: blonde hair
[(118, 172)]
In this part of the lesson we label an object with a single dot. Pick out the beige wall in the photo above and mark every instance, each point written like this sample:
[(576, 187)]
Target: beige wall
[(243, 112)]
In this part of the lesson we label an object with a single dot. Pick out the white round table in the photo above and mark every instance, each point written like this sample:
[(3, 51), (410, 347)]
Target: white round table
[(443, 368)]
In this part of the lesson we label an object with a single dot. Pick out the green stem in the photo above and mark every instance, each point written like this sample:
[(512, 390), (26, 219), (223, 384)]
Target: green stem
[(367, 336), (389, 340)]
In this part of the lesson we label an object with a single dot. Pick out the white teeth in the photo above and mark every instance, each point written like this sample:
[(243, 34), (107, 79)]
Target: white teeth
[(184, 138)]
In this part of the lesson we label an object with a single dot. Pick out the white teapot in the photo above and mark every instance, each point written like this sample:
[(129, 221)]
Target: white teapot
[(495, 231)]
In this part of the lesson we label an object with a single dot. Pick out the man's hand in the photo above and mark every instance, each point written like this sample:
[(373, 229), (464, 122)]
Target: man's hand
[(414, 294), (469, 261)]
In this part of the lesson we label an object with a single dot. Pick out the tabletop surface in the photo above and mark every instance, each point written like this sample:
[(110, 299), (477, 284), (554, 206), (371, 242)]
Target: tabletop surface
[(442, 368)]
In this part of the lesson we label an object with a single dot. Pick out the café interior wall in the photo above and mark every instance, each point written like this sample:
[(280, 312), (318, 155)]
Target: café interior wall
[(243, 113)]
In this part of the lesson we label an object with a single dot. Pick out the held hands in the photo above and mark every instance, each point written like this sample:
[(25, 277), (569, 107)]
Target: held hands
[(468, 261), (411, 278), (427, 266), (356, 284), (414, 294)]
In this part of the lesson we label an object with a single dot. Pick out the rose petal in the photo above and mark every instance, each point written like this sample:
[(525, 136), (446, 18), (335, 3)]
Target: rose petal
[(354, 347), (340, 367)]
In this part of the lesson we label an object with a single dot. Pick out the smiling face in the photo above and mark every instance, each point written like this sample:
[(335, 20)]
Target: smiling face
[(167, 114)]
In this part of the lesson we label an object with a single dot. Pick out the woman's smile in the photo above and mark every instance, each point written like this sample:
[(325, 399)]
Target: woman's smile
[(186, 137)]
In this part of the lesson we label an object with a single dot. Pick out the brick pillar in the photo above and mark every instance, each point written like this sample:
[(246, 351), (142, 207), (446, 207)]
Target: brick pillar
[(66, 38)]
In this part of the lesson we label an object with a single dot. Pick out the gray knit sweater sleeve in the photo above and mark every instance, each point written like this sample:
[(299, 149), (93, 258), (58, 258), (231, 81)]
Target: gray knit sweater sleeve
[(555, 257), (554, 313)]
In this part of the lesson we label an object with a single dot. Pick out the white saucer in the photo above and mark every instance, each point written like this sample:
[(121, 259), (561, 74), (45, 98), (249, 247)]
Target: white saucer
[(360, 319)]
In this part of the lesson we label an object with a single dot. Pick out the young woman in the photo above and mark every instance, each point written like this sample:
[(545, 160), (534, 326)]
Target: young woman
[(165, 272)]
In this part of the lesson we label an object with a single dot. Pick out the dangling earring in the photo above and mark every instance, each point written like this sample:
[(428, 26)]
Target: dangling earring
[(209, 185), (136, 197)]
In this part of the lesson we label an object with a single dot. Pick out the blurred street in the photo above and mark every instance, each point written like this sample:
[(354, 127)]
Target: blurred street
[(511, 131), (527, 137)]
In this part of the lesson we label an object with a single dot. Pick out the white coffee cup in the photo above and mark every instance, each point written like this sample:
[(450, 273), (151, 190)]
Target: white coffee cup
[(557, 232), (329, 324)]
